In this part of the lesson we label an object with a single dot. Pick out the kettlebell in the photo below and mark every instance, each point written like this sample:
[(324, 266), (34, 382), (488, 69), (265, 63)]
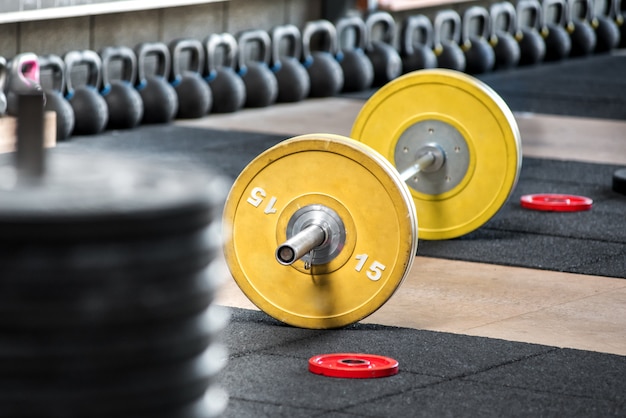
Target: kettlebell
[(325, 72), (293, 80), (123, 101), (607, 30), (416, 44), (358, 71), (160, 102), (194, 94), (558, 42), (580, 13), (260, 81), (449, 53), (90, 109), (3, 81), (531, 43), (229, 90), (55, 99), (385, 58), (479, 55), (22, 76), (502, 35), (618, 17)]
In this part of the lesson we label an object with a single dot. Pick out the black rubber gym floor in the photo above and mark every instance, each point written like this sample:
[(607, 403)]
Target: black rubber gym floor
[(592, 87), (441, 374)]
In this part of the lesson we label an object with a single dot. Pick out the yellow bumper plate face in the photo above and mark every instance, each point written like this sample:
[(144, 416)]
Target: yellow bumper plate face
[(469, 124), (357, 184)]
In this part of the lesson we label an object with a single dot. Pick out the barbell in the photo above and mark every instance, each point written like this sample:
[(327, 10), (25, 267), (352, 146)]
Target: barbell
[(320, 230)]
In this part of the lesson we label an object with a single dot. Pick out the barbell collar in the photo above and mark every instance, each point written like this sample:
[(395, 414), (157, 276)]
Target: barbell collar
[(430, 157), (424, 161)]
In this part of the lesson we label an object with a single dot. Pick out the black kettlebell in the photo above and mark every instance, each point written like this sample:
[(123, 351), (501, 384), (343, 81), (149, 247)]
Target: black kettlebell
[(3, 81), (580, 13), (502, 35), (55, 100), (160, 102), (384, 56), (123, 101), (358, 71), (558, 42), (90, 109), (531, 43), (22, 76), (416, 44), (607, 30), (293, 80), (253, 67), (479, 55), (194, 94), (229, 90), (325, 72), (446, 45)]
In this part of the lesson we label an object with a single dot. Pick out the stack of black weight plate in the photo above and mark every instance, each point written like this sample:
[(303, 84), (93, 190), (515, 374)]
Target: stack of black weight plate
[(106, 290)]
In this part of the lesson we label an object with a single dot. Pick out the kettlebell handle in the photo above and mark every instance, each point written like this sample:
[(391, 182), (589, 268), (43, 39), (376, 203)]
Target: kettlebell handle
[(26, 67), (536, 13), (3, 73), (561, 16), (213, 42), (443, 17), (196, 57), (123, 54), (475, 13), (388, 23), (588, 14), (321, 26), (258, 36), (84, 57), (615, 11), (413, 24), (56, 65), (506, 10), (360, 30), (164, 60), (278, 34)]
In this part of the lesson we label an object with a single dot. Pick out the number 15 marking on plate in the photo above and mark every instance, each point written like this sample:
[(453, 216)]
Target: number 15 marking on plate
[(257, 196), (375, 270)]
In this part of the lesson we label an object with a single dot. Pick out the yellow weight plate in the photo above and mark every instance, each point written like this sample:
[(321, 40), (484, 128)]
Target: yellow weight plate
[(465, 121), (352, 181)]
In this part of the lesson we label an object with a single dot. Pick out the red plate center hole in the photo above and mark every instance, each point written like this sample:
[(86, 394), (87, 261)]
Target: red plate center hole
[(354, 362)]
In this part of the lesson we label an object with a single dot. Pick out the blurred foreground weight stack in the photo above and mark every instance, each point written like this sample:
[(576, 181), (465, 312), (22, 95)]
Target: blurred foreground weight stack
[(107, 277)]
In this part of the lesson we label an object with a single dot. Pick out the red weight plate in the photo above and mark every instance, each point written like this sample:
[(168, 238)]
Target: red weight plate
[(556, 202), (353, 365)]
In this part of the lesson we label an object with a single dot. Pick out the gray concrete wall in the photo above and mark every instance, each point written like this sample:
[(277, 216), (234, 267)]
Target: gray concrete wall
[(59, 36)]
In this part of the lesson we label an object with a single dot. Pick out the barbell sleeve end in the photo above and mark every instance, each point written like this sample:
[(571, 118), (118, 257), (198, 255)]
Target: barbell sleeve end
[(300, 244)]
